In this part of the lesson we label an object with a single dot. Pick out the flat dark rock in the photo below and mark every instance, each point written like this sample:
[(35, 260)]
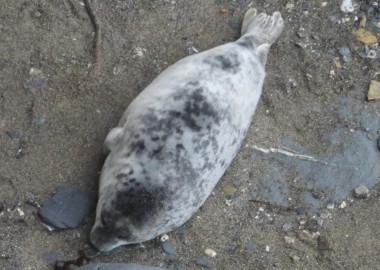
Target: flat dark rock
[(117, 266), (67, 208)]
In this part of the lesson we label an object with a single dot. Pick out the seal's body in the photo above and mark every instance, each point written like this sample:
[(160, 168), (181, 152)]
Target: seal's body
[(178, 137)]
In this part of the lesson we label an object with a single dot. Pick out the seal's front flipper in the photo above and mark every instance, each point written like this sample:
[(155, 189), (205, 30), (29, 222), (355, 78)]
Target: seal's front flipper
[(112, 139)]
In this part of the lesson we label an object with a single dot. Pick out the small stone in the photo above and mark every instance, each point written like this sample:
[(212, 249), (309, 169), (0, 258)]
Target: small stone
[(361, 192), (319, 221), (168, 247), (164, 237), (344, 51), (35, 84), (372, 54), (203, 261), (365, 36), (302, 33), (224, 10), (52, 256), (296, 258), (302, 221), (267, 248), (67, 208), (38, 121), (210, 252), (363, 21), (325, 214), (115, 266), (378, 143), (286, 227), (347, 6), (289, 240), (343, 205), (300, 210), (191, 50), (229, 189), (330, 206), (373, 90), (250, 245)]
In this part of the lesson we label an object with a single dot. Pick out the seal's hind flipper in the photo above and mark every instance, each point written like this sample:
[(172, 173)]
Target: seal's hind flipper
[(262, 27)]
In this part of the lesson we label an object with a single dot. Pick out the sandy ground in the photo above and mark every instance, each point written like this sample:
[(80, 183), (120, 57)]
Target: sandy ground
[(54, 116)]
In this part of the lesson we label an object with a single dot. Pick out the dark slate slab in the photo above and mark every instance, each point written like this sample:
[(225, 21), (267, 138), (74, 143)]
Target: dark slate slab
[(117, 266), (67, 208)]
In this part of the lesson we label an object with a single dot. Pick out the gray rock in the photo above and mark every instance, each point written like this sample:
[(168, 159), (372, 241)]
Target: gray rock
[(117, 266), (67, 208), (52, 256), (203, 261), (361, 192), (168, 247), (35, 83), (250, 245), (287, 227)]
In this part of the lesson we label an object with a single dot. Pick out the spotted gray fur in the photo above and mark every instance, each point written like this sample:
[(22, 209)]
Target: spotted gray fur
[(177, 138)]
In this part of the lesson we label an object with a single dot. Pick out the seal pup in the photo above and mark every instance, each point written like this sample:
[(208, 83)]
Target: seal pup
[(178, 136)]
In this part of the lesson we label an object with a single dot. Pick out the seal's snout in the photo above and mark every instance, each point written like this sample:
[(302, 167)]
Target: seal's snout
[(102, 240)]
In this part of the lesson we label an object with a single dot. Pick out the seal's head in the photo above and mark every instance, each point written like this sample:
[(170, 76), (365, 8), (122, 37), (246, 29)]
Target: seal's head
[(127, 211)]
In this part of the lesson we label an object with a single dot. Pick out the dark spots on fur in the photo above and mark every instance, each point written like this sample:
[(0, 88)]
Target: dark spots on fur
[(155, 138), (155, 152), (222, 163), (179, 130), (121, 176), (180, 146), (139, 206), (136, 136), (136, 147), (131, 172), (234, 142), (175, 114), (132, 180), (228, 63)]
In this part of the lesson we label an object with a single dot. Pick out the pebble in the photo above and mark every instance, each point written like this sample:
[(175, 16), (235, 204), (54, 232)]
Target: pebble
[(67, 208), (325, 214), (191, 50), (300, 210), (289, 240), (35, 83), (168, 247), (378, 143), (296, 258), (52, 256), (250, 245), (361, 192), (373, 90), (164, 237), (286, 227), (319, 221), (117, 266), (345, 52), (343, 205), (229, 189), (203, 261), (210, 252), (330, 206), (365, 36)]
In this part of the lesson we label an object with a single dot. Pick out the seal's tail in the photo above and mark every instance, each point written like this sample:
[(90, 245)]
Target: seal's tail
[(265, 29)]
